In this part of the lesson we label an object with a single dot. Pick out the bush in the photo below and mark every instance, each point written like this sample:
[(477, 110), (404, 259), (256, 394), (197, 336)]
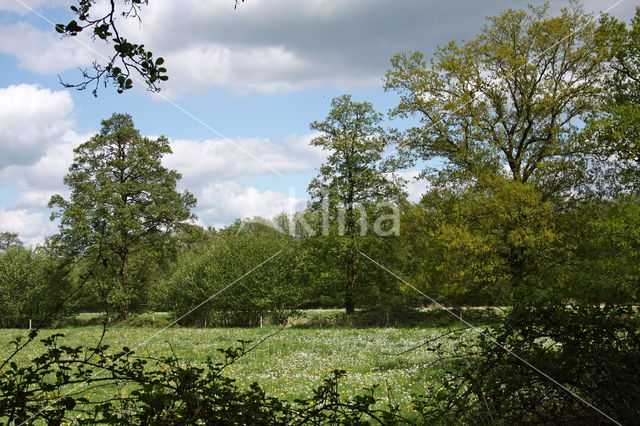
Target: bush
[(592, 352), (241, 288), (606, 235), (32, 286)]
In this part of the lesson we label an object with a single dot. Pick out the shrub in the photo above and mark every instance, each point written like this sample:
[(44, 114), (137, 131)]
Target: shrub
[(241, 276), (32, 286), (592, 352)]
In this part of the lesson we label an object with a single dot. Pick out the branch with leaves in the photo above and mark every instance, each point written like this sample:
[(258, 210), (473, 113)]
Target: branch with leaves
[(129, 60)]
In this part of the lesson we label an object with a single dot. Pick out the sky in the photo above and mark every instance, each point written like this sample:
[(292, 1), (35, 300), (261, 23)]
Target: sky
[(243, 86)]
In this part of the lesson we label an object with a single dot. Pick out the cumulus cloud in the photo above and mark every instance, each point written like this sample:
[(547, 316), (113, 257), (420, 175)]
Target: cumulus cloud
[(215, 170), (28, 214), (415, 187), (43, 51), (290, 45), (272, 46), (36, 143), (220, 159), (44, 176), (32, 227), (31, 120), (223, 202)]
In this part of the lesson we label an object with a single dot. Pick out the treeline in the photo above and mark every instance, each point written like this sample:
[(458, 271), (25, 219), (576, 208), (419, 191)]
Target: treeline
[(530, 139), (474, 248)]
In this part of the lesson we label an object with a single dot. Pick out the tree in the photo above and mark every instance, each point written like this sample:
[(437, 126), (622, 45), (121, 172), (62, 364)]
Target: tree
[(504, 103), (606, 237), (122, 200), (487, 244), (588, 355), (354, 178), (9, 239), (613, 132)]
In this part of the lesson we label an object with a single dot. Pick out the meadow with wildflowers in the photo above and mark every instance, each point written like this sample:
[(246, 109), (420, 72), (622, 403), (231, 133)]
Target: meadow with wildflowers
[(289, 362)]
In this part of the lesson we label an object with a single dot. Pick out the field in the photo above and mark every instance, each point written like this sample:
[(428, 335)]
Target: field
[(293, 360)]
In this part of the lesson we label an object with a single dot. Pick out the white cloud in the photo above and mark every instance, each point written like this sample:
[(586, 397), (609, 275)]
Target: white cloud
[(265, 70), (28, 214), (36, 149), (415, 187), (44, 51), (270, 46), (267, 46), (33, 199), (220, 203), (280, 45), (44, 175), (31, 226), (214, 171), (31, 120), (218, 159)]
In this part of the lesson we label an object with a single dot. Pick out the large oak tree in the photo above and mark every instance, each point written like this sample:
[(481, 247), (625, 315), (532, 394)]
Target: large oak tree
[(122, 199), (506, 102)]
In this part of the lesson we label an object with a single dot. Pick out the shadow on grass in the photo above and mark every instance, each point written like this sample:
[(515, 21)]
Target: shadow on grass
[(409, 318), (406, 318), (143, 320)]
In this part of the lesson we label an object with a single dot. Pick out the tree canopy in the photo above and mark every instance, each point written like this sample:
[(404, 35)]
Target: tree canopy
[(9, 239), (504, 103), (613, 132), (121, 198)]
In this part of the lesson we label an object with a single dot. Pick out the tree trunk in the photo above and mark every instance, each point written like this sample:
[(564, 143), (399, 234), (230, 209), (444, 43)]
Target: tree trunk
[(349, 303), (124, 304)]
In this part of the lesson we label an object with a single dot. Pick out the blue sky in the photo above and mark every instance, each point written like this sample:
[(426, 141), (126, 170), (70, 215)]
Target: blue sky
[(244, 86)]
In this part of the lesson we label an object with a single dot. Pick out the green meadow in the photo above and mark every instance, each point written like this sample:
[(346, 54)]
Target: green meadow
[(288, 362)]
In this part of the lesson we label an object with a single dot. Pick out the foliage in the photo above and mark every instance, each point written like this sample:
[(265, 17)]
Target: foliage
[(352, 182), (293, 362), (149, 266), (505, 102), (323, 258), (129, 61), (148, 390), (32, 287), (241, 276), (613, 133), (9, 239), (123, 204), (486, 244), (605, 264), (499, 225), (591, 352)]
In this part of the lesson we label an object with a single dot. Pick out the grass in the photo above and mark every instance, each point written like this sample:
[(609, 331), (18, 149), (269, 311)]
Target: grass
[(290, 363)]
